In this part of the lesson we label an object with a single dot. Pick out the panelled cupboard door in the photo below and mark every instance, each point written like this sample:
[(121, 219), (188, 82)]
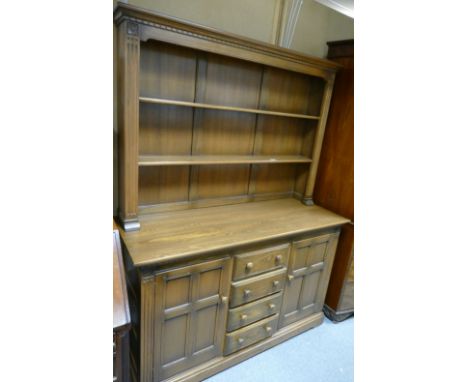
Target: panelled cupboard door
[(308, 275), (191, 321)]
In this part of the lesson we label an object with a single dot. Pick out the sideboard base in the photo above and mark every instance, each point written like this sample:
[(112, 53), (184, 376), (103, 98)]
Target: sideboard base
[(221, 363)]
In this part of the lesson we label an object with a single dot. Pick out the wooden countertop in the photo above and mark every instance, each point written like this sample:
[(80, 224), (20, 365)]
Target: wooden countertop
[(178, 235), (121, 308)]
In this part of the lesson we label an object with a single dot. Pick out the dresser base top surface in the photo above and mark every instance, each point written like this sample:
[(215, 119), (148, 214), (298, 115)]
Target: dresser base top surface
[(170, 236)]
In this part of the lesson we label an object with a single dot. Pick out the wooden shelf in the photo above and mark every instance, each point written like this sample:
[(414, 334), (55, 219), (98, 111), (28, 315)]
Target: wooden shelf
[(180, 160), (226, 108), (184, 234)]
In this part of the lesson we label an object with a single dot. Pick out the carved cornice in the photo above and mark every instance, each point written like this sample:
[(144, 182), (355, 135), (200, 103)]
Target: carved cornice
[(124, 12)]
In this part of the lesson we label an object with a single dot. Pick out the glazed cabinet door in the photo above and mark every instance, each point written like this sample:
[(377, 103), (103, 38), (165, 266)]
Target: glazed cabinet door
[(190, 317), (308, 275)]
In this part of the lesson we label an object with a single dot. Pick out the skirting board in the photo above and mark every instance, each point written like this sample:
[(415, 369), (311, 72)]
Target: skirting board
[(221, 363)]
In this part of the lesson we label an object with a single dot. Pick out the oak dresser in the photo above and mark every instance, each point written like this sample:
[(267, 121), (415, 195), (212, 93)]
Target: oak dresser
[(225, 252)]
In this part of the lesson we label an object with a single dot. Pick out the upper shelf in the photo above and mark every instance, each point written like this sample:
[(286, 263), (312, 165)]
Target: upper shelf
[(168, 160), (226, 108)]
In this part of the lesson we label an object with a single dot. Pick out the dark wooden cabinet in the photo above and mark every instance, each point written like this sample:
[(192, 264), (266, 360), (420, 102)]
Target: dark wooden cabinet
[(335, 179), (220, 136), (339, 303)]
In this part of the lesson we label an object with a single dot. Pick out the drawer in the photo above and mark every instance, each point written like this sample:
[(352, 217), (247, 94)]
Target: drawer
[(250, 334), (257, 287), (256, 262), (254, 311)]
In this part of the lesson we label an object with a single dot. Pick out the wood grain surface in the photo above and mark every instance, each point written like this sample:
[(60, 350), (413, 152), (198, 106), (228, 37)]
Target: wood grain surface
[(184, 234), (177, 160), (121, 308)]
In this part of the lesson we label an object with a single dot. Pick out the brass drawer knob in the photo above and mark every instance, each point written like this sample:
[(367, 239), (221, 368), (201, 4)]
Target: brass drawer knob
[(278, 259), (240, 340), (290, 277), (272, 306), (247, 293), (268, 329), (243, 317), (248, 266), (275, 283)]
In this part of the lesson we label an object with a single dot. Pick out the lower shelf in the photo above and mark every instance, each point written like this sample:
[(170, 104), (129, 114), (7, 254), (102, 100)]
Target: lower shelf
[(184, 160)]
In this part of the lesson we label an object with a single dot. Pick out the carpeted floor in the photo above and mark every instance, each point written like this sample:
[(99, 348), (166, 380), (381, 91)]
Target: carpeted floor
[(323, 354)]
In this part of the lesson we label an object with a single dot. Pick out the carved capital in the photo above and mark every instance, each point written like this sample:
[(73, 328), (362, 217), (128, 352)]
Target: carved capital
[(132, 28)]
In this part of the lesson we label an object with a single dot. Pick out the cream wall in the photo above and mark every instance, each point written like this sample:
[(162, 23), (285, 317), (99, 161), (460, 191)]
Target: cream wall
[(318, 24), (258, 19), (249, 18)]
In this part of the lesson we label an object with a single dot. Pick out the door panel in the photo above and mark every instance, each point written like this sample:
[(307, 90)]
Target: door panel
[(308, 275), (291, 296), (209, 283), (191, 322), (205, 328), (174, 335), (177, 291), (309, 289)]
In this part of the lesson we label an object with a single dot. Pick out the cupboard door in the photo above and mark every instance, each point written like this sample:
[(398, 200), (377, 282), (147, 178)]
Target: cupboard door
[(190, 323), (308, 275)]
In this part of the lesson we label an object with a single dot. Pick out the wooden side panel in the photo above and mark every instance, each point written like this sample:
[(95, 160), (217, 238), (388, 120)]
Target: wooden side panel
[(149, 329), (128, 73), (335, 177), (347, 296), (342, 274), (318, 139)]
